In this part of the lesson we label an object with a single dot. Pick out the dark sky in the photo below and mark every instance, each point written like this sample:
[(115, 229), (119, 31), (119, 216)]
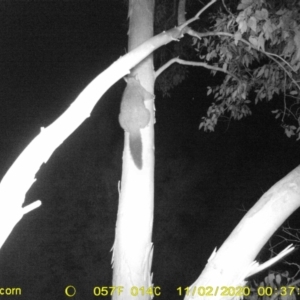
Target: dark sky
[(49, 51)]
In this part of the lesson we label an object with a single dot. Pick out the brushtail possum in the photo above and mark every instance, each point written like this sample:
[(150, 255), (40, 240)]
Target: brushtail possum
[(134, 116)]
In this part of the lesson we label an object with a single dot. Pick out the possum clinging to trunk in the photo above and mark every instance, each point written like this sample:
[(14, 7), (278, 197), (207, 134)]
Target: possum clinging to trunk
[(134, 116)]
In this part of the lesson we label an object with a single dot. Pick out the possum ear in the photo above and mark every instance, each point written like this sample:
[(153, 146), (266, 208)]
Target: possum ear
[(127, 77)]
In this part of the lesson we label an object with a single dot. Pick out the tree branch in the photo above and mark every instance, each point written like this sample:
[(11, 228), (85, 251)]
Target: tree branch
[(230, 13), (191, 63), (21, 175), (268, 54), (181, 12), (196, 17), (256, 268), (247, 43)]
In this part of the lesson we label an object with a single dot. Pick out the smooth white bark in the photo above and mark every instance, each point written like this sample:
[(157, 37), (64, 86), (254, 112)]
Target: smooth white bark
[(21, 175), (234, 261), (133, 249)]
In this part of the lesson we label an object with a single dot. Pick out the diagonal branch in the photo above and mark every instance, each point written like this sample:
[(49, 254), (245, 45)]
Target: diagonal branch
[(256, 268), (21, 175), (196, 17), (192, 63)]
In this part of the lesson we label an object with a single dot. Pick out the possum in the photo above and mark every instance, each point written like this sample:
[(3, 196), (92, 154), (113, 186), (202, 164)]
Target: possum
[(134, 116)]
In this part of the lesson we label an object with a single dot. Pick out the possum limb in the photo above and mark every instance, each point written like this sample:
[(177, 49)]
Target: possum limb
[(134, 116)]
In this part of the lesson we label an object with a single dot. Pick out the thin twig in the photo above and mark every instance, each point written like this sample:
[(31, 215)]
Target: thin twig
[(196, 17), (284, 99), (223, 1)]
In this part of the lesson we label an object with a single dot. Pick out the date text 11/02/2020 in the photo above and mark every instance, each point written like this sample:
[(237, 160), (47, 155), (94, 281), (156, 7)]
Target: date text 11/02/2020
[(239, 291)]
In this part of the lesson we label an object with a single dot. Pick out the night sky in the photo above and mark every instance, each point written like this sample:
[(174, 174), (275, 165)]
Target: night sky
[(205, 182)]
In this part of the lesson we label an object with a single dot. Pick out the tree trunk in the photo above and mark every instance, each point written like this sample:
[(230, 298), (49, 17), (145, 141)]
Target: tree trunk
[(234, 261), (132, 250), (21, 175)]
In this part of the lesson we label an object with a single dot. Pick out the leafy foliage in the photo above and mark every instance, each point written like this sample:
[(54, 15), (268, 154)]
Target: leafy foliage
[(258, 47), (274, 286)]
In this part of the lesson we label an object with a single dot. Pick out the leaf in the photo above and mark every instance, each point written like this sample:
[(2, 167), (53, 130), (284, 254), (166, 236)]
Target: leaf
[(297, 43), (297, 67), (278, 279), (280, 12), (277, 112), (268, 29), (262, 14), (246, 60), (209, 90), (289, 48), (285, 274), (243, 26), (261, 42), (237, 37), (244, 4), (253, 40), (289, 130), (266, 72), (261, 71), (252, 22)]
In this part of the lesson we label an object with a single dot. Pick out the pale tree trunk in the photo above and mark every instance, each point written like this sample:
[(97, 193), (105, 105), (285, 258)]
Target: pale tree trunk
[(234, 261), (132, 250), (21, 175)]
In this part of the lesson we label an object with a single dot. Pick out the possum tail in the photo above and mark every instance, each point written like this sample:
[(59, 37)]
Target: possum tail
[(135, 145)]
